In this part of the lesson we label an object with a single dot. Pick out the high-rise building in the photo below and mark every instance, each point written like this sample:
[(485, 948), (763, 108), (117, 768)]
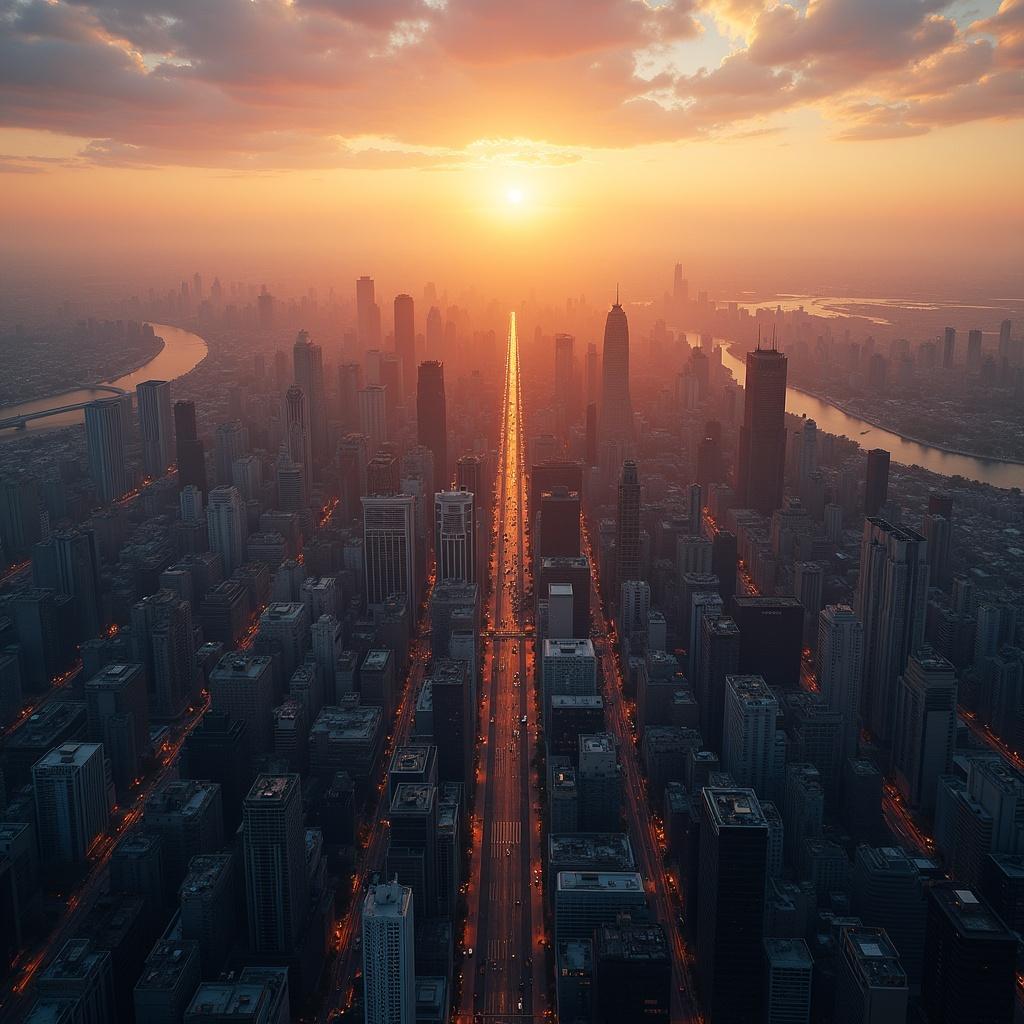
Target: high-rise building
[(72, 804), (373, 416), (730, 904), (627, 526), (308, 361), (367, 314), (749, 751), (81, 977), (762, 444), (432, 420), (925, 727), (300, 435), (230, 442), (633, 973), (720, 658), (68, 563), (405, 344), (453, 718), (188, 448), (389, 535), (569, 668), (949, 348), (389, 966), (155, 425), (616, 413), (973, 351), (454, 536), (585, 900), (225, 522), (412, 842), (558, 518), (105, 432), (969, 972), (118, 717), (274, 848), (892, 596), (189, 818), (242, 687), (871, 985), (565, 400), (841, 670), (876, 486), (788, 991), (771, 637)]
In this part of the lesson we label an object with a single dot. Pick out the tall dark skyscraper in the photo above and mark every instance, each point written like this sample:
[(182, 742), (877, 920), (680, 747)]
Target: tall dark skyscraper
[(616, 408), (154, 402), (309, 375), (762, 444), (627, 526), (876, 487), (431, 419), (300, 441), (105, 431), (189, 449), (405, 343)]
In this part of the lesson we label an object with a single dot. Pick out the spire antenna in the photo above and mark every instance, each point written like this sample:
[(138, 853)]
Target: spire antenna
[(616, 293)]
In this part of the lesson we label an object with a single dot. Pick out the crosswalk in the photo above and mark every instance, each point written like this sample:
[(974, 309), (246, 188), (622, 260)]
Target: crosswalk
[(506, 833)]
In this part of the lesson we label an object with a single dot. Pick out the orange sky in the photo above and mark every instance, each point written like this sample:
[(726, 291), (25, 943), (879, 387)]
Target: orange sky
[(831, 144)]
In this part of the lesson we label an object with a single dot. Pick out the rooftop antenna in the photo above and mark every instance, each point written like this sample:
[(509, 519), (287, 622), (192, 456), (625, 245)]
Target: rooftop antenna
[(774, 349), (758, 337), (616, 293)]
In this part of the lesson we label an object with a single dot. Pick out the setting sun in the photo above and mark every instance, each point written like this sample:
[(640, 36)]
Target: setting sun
[(515, 197)]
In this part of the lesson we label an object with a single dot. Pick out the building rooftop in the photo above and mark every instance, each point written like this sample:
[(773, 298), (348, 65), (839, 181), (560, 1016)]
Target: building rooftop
[(390, 900), (559, 590), (237, 664), (206, 872), (41, 725), (752, 690), (632, 943), (597, 743), (662, 739), (76, 960), (600, 881), (166, 963), (567, 701), (376, 661), (734, 807), (359, 722), (875, 957), (283, 611), (411, 758), (569, 648), (582, 849), (413, 798), (967, 913), (112, 676), (225, 1000), (186, 797), (791, 953), (767, 602), (68, 754), (271, 788), (576, 956)]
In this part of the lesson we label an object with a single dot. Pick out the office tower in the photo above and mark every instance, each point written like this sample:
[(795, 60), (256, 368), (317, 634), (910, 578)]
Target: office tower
[(414, 763), (382, 474), (373, 420), (412, 842), (969, 972), (218, 750), (79, 981), (886, 892), (68, 564), (155, 425), (274, 849), (163, 641), (367, 314), (118, 717), (808, 587), (892, 594), (454, 604), (710, 469), (771, 638), (190, 504), (431, 419), (564, 393), (840, 670), (19, 514), (616, 407), (627, 525), (389, 548), (876, 486), (749, 750), (291, 483), (634, 612), (632, 973), (937, 531), (72, 808), (225, 522), (242, 687), (558, 524), (762, 442), (949, 348), (308, 364), (300, 439), (973, 351), (720, 653), (590, 435), (925, 727), (569, 668), (171, 974), (188, 448), (585, 900), (730, 904), (105, 432), (389, 969), (230, 442), (871, 985), (1004, 340), (189, 818), (247, 476), (559, 624), (405, 344), (788, 991), (454, 719), (599, 780), (454, 536), (576, 573), (286, 625), (724, 557), (703, 604)]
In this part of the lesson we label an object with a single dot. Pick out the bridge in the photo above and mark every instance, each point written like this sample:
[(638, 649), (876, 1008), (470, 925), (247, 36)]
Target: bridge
[(20, 421)]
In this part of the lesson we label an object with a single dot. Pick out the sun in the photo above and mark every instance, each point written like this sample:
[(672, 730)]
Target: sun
[(515, 197)]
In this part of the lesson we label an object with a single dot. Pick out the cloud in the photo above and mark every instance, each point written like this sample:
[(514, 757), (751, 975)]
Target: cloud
[(264, 84)]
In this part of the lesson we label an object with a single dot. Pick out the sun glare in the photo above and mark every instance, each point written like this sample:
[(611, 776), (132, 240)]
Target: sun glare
[(515, 197)]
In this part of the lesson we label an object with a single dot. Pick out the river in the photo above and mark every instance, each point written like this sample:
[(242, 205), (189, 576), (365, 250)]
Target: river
[(909, 453), (181, 352)]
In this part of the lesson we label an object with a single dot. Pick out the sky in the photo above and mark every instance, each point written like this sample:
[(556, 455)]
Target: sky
[(553, 145)]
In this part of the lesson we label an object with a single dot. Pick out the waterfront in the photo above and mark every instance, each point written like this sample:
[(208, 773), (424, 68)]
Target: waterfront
[(182, 351)]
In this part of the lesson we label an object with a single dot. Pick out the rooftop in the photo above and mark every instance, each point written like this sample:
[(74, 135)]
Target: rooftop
[(376, 661), (791, 953), (967, 913), (569, 648), (411, 758), (591, 848), (413, 797), (597, 743), (600, 881), (634, 943), (166, 963), (875, 957), (752, 690), (271, 788), (580, 701), (68, 754), (734, 807)]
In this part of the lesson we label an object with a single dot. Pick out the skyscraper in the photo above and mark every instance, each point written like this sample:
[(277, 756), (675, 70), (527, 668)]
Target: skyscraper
[(454, 536), (308, 362), (300, 440), (565, 394), (627, 526), (949, 348), (762, 442), (389, 532), (405, 344), (155, 425), (431, 419), (225, 523), (730, 904), (748, 743), (105, 431), (389, 966), (925, 729), (616, 414), (72, 808), (876, 486), (188, 448), (118, 718), (68, 563), (276, 886), (367, 314), (892, 595), (373, 415), (841, 670)]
